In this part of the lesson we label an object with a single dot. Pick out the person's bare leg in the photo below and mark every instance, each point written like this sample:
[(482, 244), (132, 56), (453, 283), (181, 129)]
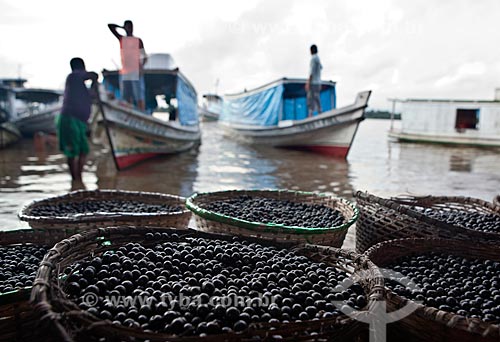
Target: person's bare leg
[(81, 163), (72, 167), (141, 105)]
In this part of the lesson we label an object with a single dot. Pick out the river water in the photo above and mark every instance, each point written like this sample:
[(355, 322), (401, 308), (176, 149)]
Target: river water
[(375, 164)]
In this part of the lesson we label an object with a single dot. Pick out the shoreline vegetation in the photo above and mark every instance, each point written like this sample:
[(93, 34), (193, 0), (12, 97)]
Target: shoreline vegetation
[(381, 114)]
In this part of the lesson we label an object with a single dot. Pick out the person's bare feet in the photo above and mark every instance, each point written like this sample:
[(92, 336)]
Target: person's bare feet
[(77, 184)]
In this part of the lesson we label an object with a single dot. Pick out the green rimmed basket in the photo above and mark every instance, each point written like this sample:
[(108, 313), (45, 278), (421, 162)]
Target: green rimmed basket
[(18, 320), (83, 221), (217, 223)]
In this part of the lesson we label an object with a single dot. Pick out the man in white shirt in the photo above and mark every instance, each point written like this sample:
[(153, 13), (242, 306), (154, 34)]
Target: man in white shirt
[(313, 84)]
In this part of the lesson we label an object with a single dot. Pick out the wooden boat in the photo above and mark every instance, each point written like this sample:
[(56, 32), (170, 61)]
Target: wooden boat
[(450, 122), (169, 125), (211, 108), (276, 115), (9, 134), (32, 110)]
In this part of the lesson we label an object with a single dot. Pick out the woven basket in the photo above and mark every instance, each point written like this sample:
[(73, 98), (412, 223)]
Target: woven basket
[(178, 219), (73, 324), (213, 222), (386, 219), (18, 321), (496, 200), (428, 323)]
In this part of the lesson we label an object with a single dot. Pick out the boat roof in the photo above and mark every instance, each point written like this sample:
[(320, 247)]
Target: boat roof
[(442, 100), (212, 96), (13, 82), (275, 83), (32, 94), (172, 72)]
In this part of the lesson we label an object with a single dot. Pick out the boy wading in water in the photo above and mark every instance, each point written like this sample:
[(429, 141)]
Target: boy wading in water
[(72, 123)]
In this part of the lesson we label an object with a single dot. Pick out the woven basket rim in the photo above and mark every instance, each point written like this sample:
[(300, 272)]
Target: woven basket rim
[(403, 204), (41, 299), (24, 213), (423, 310), (211, 215)]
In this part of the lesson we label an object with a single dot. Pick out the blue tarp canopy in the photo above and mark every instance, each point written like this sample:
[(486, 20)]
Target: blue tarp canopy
[(280, 100), (170, 84)]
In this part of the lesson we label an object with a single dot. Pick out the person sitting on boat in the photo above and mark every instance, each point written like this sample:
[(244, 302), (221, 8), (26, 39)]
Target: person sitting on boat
[(313, 84), (72, 122), (133, 58)]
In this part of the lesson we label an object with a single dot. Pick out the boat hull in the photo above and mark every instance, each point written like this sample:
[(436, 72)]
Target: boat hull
[(41, 122), (135, 137), (329, 133), (207, 115), (444, 139), (9, 134)]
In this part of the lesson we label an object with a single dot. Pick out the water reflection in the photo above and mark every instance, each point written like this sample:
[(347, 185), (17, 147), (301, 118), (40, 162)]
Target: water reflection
[(375, 164)]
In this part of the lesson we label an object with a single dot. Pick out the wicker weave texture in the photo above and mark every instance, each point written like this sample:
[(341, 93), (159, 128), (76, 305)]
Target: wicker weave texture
[(178, 219), (428, 323), (213, 222), (76, 325), (18, 320), (386, 219)]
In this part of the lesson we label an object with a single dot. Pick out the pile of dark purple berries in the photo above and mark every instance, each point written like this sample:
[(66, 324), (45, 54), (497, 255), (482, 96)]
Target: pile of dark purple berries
[(468, 287), (18, 266), (198, 286), (268, 210), (104, 206), (477, 221)]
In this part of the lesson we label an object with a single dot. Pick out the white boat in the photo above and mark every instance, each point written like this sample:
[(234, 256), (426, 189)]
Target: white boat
[(276, 115), (30, 109), (211, 107), (9, 134), (447, 121), (169, 125)]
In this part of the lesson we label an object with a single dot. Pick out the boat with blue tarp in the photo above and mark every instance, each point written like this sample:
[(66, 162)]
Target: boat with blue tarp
[(276, 114), (170, 123)]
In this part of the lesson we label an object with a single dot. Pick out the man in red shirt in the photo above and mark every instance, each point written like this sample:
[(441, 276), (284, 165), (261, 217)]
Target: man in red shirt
[(133, 58)]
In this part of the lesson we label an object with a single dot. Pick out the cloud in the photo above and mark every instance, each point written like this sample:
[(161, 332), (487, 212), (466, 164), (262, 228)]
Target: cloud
[(403, 49), (465, 71)]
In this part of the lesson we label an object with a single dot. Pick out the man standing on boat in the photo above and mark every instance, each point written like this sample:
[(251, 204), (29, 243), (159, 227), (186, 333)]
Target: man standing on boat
[(72, 122), (133, 58), (313, 84)]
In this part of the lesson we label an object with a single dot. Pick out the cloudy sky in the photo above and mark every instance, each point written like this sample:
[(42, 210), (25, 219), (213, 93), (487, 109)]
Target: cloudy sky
[(418, 48)]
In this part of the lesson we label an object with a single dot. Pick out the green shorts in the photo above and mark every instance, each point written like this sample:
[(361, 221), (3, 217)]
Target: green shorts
[(72, 136)]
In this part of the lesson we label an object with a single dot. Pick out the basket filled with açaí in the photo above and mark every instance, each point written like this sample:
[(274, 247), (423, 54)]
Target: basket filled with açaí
[(303, 217), (443, 289), (157, 284), (384, 219), (88, 209), (21, 252)]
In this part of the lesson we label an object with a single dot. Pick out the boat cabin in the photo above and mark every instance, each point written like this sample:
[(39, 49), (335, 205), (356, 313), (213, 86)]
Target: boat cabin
[(212, 103), (17, 103), (451, 121), (169, 95), (282, 100)]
